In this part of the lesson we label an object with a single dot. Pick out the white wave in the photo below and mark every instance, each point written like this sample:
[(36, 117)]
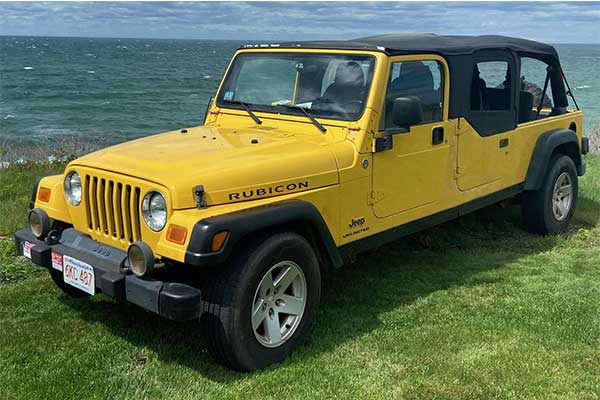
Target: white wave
[(207, 76), (582, 87), (27, 68), (9, 116), (91, 72)]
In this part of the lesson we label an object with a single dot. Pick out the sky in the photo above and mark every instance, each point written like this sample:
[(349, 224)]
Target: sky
[(556, 22)]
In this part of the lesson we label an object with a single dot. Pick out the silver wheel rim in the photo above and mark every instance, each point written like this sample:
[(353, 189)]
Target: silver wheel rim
[(562, 196), (278, 304)]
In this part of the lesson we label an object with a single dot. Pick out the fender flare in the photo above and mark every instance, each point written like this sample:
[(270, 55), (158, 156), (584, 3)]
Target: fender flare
[(242, 223), (34, 191), (546, 143)]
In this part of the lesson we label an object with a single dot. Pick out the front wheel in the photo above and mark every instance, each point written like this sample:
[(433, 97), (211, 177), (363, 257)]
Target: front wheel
[(550, 209), (261, 307)]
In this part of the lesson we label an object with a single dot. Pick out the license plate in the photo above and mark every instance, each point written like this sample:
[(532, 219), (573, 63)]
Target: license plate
[(79, 274), (27, 249)]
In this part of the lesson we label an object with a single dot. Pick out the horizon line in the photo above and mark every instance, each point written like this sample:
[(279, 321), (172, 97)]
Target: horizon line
[(222, 40)]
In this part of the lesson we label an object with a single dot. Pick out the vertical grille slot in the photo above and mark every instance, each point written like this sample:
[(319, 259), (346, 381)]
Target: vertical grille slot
[(112, 208), (116, 201), (101, 206), (88, 208)]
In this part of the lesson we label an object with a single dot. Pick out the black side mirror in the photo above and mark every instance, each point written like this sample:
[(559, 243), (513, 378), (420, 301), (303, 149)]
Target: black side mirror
[(406, 112)]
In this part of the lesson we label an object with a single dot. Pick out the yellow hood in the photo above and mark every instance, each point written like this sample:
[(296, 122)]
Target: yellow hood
[(232, 164)]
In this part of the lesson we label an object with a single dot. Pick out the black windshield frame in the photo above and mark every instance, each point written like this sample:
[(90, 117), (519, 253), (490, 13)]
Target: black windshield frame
[(234, 69)]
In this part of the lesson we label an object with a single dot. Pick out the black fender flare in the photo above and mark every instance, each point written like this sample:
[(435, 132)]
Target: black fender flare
[(544, 148), (241, 224), (34, 191)]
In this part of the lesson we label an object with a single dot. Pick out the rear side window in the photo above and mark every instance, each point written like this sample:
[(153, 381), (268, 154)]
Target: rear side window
[(420, 79), (533, 78), (491, 86)]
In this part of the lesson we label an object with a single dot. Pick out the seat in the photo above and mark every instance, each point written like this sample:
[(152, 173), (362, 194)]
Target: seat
[(525, 106), (478, 93), (415, 80), (348, 84)]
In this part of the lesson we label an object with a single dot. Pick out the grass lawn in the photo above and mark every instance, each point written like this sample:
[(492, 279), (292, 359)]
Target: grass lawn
[(474, 309)]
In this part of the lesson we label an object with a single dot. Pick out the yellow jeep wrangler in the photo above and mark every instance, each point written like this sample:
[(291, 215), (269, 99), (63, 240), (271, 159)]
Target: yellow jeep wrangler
[(310, 153)]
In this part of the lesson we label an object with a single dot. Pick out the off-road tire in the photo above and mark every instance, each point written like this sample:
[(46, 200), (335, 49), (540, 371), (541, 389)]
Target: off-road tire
[(537, 205), (229, 296), (57, 277)]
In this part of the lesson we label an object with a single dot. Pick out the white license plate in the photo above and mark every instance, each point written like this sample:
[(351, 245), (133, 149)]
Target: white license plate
[(27, 249), (79, 274)]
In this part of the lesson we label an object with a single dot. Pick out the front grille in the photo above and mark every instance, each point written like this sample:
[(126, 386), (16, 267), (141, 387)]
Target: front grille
[(112, 208)]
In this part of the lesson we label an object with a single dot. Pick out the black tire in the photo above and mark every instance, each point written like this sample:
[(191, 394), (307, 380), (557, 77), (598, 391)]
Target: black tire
[(537, 206), (229, 296), (57, 277)]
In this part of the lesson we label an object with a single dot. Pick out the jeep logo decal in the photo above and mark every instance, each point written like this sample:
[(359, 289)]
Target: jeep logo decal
[(248, 194), (101, 250), (357, 222)]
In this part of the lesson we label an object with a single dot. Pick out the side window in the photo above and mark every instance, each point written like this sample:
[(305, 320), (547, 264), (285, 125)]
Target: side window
[(491, 86), (420, 79), (533, 78)]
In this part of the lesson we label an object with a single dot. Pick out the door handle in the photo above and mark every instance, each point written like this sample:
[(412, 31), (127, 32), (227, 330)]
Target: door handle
[(437, 135)]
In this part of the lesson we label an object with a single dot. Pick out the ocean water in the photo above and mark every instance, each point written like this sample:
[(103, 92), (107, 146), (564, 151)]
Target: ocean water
[(120, 89)]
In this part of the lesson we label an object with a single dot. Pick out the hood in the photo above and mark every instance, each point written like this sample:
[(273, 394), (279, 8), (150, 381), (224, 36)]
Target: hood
[(232, 164)]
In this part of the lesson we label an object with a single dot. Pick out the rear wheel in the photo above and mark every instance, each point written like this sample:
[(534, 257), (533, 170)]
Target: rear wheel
[(550, 209), (260, 309)]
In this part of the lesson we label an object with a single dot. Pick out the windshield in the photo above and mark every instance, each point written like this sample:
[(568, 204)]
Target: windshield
[(326, 85)]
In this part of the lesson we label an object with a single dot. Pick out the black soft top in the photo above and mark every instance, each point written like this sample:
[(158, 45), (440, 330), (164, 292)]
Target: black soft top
[(410, 43), (462, 54)]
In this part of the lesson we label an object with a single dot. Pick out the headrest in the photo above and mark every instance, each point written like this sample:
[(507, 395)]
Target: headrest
[(415, 74), (350, 73)]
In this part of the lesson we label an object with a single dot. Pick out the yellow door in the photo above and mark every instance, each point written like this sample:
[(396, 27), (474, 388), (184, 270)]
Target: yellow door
[(486, 134), (412, 173)]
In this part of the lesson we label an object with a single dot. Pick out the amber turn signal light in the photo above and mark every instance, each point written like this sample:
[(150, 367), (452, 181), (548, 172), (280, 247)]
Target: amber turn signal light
[(218, 241), (176, 234), (44, 194)]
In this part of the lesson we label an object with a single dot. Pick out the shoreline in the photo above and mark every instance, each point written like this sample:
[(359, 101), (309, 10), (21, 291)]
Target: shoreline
[(60, 150)]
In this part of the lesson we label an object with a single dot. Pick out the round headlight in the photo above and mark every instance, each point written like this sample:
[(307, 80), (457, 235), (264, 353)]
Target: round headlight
[(39, 223), (141, 259), (73, 188), (154, 210)]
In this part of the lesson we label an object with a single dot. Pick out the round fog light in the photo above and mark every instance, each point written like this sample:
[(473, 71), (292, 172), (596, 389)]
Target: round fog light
[(39, 223), (141, 259)]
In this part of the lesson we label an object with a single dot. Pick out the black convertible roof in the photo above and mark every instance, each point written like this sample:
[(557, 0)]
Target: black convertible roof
[(410, 43)]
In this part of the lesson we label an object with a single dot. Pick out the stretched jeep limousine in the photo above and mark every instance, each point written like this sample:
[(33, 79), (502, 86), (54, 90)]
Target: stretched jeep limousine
[(310, 153)]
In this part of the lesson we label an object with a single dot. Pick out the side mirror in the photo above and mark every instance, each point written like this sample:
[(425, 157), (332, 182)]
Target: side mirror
[(406, 111)]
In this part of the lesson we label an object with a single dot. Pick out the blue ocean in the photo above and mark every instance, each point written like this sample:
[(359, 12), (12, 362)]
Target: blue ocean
[(113, 90)]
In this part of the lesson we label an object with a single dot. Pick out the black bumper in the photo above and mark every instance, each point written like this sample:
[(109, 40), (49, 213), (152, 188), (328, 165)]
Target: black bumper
[(173, 300)]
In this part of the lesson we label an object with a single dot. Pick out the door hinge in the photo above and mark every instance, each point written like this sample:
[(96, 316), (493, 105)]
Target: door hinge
[(459, 171), (459, 128), (375, 196)]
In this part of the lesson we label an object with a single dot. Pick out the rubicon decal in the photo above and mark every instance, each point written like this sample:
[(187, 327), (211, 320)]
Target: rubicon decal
[(271, 190)]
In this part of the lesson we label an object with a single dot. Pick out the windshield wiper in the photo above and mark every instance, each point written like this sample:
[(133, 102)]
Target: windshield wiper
[(308, 115), (246, 108)]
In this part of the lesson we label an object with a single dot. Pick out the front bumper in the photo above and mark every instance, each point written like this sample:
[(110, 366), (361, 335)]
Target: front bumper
[(172, 300)]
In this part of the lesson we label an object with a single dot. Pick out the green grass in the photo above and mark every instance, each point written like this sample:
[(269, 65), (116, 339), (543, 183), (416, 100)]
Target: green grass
[(15, 192), (473, 309)]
